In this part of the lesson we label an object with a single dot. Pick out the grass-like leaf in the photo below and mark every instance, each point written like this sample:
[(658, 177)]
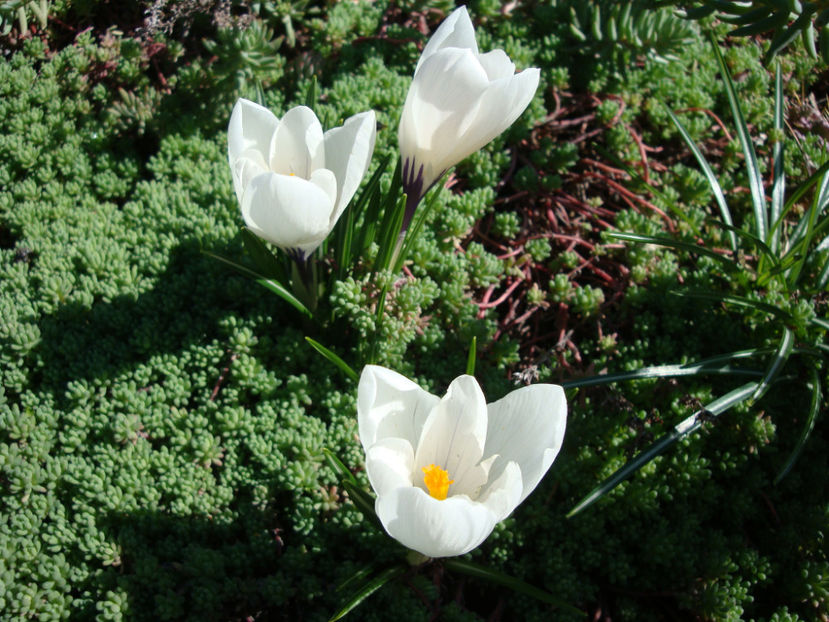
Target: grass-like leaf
[(807, 227), (808, 425), (660, 240), (782, 354), (338, 467), (421, 215), (755, 179), (714, 365), (679, 431), (739, 301), (473, 353), (778, 188), (267, 264), (368, 588), (713, 183), (471, 569), (363, 501), (270, 284), (333, 358)]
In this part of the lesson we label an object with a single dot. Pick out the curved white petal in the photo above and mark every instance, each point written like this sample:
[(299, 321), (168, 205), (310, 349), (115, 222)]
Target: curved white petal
[(505, 493), (296, 147), (434, 528), (348, 151), (390, 405), (456, 31), (251, 126), (497, 65), (389, 464), (498, 107), (527, 427), (290, 212), (454, 434), (327, 182), (244, 168), (443, 94)]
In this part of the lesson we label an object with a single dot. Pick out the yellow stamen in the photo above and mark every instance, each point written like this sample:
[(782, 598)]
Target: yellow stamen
[(437, 481)]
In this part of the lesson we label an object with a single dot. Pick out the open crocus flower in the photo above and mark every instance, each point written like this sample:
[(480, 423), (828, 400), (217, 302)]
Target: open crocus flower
[(447, 470), (292, 181), (459, 100)]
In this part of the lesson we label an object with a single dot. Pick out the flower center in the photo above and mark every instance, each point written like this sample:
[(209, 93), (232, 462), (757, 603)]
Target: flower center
[(437, 481)]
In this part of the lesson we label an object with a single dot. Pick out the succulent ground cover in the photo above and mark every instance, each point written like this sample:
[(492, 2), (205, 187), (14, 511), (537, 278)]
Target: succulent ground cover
[(163, 420)]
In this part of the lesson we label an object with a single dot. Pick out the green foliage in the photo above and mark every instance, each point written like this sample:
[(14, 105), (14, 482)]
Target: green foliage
[(786, 21), (163, 423), (20, 12)]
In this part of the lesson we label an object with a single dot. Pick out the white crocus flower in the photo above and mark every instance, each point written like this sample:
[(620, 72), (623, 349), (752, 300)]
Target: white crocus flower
[(459, 100), (447, 470), (292, 181)]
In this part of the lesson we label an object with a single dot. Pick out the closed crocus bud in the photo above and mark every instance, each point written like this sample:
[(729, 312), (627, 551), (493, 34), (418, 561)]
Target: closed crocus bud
[(459, 100), (447, 470), (292, 180)]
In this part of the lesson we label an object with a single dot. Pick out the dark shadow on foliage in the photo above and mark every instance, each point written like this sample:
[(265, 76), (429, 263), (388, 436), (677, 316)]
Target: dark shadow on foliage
[(184, 308)]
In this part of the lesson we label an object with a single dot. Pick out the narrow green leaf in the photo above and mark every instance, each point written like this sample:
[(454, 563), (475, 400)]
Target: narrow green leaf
[(473, 353), (517, 585), (422, 214), (778, 189), (782, 354), (363, 501), (713, 183), (672, 243), (755, 25), (368, 589), (679, 431), (338, 467), (735, 300), (713, 365), (270, 284), (818, 321), (333, 358), (808, 425), (268, 265), (805, 230), (801, 190), (755, 179)]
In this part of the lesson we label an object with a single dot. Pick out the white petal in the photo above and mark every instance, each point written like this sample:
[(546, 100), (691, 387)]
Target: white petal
[(456, 31), (296, 147), (389, 464), (501, 103), (390, 405), (327, 182), (348, 151), (505, 493), (497, 65), (527, 427), (251, 126), (453, 436), (244, 168), (434, 528), (291, 212), (443, 94)]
